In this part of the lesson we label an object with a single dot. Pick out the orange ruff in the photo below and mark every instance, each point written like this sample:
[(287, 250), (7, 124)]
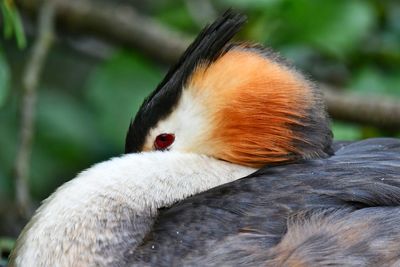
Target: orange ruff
[(254, 102)]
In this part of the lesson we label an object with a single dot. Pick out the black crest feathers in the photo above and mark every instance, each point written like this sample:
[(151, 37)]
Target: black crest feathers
[(206, 48)]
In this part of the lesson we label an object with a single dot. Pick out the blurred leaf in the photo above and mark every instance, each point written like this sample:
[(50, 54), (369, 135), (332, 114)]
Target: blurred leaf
[(250, 4), (19, 30), (370, 132), (116, 90), (349, 27), (4, 79), (336, 26), (371, 80), (177, 16), (66, 118), (6, 243), (65, 141), (262, 28), (12, 23), (346, 131), (7, 20)]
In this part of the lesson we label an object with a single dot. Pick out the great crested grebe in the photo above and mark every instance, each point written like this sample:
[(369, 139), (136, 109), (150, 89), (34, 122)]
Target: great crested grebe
[(224, 112)]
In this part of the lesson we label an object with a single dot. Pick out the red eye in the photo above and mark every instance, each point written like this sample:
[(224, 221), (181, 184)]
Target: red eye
[(163, 141)]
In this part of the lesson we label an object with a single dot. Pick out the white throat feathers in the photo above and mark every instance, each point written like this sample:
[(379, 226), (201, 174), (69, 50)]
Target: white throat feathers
[(105, 212)]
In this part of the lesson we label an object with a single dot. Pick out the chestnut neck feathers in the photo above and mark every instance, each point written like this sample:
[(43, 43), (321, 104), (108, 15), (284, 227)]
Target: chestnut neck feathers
[(237, 102), (261, 112)]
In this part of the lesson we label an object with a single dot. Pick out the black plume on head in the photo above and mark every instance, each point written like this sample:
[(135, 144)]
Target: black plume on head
[(207, 47)]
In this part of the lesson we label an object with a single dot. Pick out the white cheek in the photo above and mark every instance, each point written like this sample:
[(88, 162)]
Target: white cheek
[(188, 122)]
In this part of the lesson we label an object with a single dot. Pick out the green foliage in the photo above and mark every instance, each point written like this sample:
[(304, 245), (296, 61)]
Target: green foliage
[(252, 5), (4, 78), (6, 245), (65, 139), (346, 131), (73, 132), (12, 23), (371, 80), (333, 26), (8, 140), (177, 16), (116, 90)]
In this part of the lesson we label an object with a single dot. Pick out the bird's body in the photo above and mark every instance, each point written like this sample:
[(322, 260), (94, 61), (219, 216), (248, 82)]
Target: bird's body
[(223, 112), (341, 211)]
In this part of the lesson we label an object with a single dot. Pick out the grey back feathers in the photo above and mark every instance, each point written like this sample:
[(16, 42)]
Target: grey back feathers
[(340, 211)]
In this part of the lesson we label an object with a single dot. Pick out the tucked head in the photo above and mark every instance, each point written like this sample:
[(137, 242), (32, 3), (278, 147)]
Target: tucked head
[(236, 102)]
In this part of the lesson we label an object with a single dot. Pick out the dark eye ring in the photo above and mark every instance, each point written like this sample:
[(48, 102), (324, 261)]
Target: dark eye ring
[(163, 141)]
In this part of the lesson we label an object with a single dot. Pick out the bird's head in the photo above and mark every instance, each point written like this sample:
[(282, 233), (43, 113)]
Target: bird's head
[(236, 102)]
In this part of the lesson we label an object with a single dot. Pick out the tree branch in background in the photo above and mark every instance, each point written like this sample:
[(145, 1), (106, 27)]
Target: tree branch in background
[(30, 81), (122, 24), (378, 111), (117, 23)]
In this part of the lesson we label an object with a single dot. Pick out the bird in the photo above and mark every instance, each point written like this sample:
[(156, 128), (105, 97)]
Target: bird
[(229, 162)]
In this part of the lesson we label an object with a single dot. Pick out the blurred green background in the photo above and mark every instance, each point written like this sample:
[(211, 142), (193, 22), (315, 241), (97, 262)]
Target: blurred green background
[(85, 101)]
